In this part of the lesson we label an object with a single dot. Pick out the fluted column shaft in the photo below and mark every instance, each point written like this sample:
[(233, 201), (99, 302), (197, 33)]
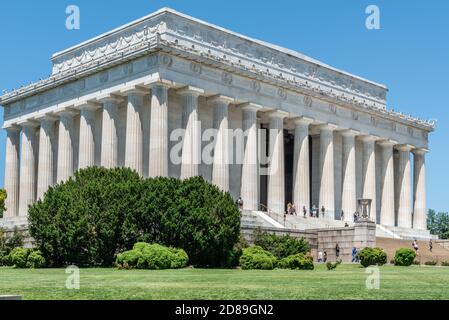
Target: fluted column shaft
[(109, 135), (220, 167), (327, 178), (12, 171), (276, 174), (404, 185), (134, 132), (349, 198), (420, 205), (27, 193), (250, 167), (45, 177), (158, 166), (87, 136), (191, 148), (301, 173), (387, 216), (369, 172), (65, 147)]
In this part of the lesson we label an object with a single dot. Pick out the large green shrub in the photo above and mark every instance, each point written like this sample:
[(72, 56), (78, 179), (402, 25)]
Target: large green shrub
[(404, 257), (99, 212), (297, 261), (35, 259), (257, 258), (372, 256), (152, 256), (280, 246)]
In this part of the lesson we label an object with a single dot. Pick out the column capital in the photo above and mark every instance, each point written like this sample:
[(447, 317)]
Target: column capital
[(328, 127), (159, 82), (420, 151), (109, 97), (220, 98), (369, 137), (67, 112), (302, 120), (87, 105), (250, 106), (189, 90), (134, 90), (29, 123), (350, 133), (277, 114), (387, 143), (404, 147), (12, 127)]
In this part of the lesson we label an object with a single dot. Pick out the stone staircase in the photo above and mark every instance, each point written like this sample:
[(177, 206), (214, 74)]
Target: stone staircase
[(439, 253)]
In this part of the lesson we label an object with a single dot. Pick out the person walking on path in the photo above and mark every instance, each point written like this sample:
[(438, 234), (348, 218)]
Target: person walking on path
[(430, 245), (320, 256)]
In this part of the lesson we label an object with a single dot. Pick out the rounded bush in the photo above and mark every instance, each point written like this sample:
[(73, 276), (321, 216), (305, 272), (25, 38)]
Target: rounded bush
[(297, 261), (18, 257), (35, 260), (152, 256), (404, 257), (257, 258), (98, 212), (372, 256)]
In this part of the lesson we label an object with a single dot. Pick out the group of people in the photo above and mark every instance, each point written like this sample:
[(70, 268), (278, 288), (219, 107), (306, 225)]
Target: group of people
[(313, 212)]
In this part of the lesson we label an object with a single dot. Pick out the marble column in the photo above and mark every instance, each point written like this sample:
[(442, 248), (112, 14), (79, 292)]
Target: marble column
[(276, 174), (404, 185), (301, 167), (250, 167), (87, 134), (12, 167), (109, 134), (65, 165), (327, 178), (191, 147), (158, 166), (27, 194), (419, 190), (134, 131), (387, 209), (369, 172), (349, 194), (220, 165), (45, 178)]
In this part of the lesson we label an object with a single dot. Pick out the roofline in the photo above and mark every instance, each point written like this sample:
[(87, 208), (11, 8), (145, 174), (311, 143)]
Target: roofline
[(163, 10)]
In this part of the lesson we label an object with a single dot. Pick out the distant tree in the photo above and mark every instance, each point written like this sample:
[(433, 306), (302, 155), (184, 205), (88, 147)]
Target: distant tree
[(2, 202), (438, 223)]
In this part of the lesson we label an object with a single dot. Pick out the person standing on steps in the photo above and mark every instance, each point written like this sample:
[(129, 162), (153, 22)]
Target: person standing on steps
[(430, 245), (239, 203), (323, 211), (342, 215), (304, 211), (324, 256)]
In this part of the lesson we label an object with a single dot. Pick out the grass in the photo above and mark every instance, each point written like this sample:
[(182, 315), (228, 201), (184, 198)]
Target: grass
[(346, 282)]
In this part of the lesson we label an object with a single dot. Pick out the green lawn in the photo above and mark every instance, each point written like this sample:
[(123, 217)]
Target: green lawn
[(346, 282)]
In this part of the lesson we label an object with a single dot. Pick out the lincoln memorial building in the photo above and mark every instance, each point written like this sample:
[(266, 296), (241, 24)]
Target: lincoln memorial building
[(120, 99)]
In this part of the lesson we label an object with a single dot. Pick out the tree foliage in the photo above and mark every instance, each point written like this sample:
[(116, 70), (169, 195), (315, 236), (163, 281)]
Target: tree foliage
[(280, 246), (438, 223), (3, 196), (100, 212)]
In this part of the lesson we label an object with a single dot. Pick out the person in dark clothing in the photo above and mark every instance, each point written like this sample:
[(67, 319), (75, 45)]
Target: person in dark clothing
[(239, 203), (304, 211), (337, 250), (324, 256), (323, 211), (430, 245)]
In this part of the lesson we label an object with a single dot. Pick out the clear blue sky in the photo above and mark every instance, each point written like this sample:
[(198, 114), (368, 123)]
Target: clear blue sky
[(410, 54)]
